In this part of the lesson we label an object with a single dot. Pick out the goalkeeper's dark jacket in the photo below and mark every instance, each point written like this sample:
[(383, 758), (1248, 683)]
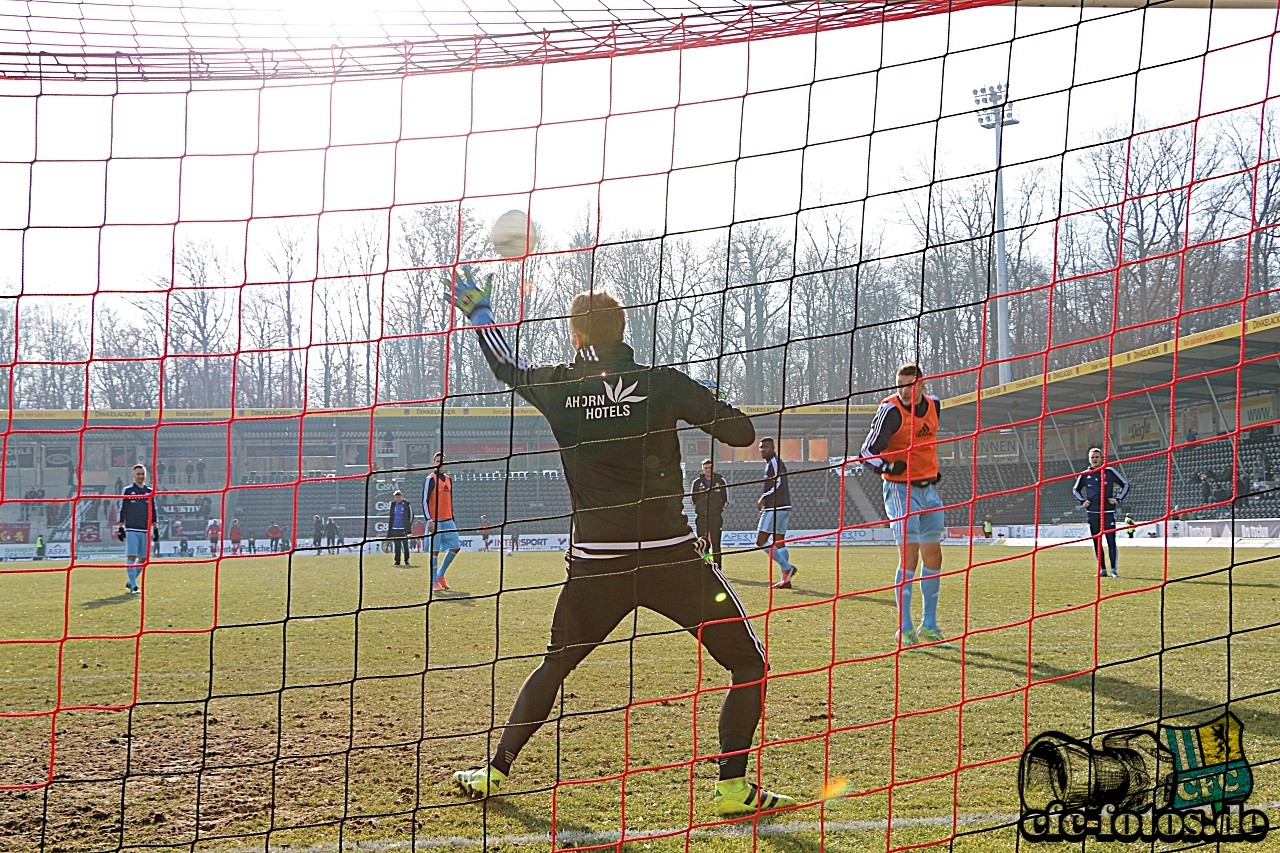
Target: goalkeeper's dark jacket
[(615, 422), (136, 510)]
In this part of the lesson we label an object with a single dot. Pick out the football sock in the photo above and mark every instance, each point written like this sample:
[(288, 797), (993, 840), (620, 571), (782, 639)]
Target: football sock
[(781, 556), (502, 761), (930, 582), (733, 764), (434, 576), (444, 567), (904, 598), (134, 571)]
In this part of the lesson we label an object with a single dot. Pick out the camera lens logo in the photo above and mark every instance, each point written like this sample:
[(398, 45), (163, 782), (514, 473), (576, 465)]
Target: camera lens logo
[(1187, 784)]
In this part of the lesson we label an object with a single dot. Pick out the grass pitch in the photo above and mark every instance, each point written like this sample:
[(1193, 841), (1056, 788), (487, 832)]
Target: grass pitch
[(336, 696)]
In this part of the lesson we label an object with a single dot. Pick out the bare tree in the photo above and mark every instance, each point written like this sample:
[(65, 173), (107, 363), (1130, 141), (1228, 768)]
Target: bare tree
[(431, 240), (824, 307), (1251, 147), (287, 258), (125, 372), (52, 355), (196, 319), (759, 260), (630, 265)]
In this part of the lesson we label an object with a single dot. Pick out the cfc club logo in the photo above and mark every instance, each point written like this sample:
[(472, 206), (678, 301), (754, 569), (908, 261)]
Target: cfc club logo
[(615, 402), (1184, 785)]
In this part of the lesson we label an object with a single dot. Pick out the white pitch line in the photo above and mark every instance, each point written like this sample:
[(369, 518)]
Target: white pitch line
[(741, 830), (744, 829)]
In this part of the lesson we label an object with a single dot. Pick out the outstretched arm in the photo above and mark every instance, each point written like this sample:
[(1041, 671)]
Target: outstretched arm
[(699, 406), (471, 297)]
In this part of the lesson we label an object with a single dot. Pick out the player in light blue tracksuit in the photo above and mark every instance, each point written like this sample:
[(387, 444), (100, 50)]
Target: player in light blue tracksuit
[(137, 516), (775, 512)]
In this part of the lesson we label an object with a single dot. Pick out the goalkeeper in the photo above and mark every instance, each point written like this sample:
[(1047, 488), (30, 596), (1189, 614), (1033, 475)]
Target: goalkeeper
[(630, 545), (902, 448)]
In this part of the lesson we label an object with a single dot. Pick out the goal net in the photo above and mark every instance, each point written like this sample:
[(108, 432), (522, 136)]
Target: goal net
[(231, 239)]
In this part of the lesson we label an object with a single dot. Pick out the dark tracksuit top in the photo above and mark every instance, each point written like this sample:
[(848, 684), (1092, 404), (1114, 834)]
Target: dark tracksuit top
[(406, 522), (710, 498), (615, 421), (135, 508), (1089, 488), (777, 491)]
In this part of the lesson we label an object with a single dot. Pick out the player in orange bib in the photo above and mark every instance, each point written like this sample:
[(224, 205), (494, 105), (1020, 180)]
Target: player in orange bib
[(437, 506), (902, 448)]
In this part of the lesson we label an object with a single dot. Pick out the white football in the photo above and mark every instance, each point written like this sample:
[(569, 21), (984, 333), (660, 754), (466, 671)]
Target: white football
[(513, 235)]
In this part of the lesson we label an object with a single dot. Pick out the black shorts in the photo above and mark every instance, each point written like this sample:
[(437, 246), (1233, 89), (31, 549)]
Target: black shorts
[(675, 582)]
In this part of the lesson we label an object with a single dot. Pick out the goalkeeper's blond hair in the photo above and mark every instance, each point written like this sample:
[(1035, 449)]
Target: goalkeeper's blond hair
[(599, 316)]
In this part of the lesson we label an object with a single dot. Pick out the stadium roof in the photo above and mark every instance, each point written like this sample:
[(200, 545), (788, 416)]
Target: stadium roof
[(1207, 368)]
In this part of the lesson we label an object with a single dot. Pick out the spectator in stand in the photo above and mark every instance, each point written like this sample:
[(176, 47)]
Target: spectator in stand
[(485, 532), (200, 470), (274, 532), (160, 469), (399, 523), (317, 533), (214, 533), (175, 528), (191, 470), (137, 518), (1192, 435), (119, 485)]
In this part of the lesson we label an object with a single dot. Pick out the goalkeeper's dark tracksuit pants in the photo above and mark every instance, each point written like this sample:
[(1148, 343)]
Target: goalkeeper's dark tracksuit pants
[(675, 582), (1104, 524)]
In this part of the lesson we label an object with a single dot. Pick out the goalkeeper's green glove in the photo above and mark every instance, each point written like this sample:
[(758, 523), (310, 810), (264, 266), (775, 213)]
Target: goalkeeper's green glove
[(468, 295)]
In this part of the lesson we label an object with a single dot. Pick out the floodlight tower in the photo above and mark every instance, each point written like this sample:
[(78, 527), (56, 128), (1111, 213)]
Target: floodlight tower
[(996, 113)]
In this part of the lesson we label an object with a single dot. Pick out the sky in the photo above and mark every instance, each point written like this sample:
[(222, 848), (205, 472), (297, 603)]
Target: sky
[(92, 183)]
